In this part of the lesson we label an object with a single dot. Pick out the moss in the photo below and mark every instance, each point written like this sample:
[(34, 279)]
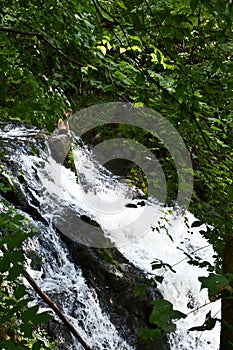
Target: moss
[(137, 178), (106, 255), (69, 162)]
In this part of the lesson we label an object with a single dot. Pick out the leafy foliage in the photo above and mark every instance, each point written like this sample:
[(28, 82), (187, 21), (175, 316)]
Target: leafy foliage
[(162, 316), (18, 321), (172, 57), (215, 285)]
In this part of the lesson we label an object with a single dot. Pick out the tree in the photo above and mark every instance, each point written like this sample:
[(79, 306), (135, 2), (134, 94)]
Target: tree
[(172, 57)]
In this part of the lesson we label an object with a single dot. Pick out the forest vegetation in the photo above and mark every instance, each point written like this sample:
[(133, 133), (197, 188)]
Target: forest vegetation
[(172, 57)]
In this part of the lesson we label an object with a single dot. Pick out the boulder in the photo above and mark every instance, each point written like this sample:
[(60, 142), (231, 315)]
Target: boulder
[(59, 147)]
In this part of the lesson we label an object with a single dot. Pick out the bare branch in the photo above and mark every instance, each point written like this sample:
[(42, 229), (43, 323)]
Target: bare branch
[(54, 307), (42, 37), (19, 31)]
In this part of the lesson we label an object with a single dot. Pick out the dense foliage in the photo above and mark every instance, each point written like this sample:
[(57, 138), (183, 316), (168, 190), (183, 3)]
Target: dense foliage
[(173, 57), (18, 322)]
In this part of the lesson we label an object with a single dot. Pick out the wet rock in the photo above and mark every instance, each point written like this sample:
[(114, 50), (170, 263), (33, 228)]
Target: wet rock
[(59, 333), (59, 147), (114, 278)]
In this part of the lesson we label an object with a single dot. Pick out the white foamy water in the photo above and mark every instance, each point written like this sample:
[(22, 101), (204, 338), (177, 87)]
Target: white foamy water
[(181, 287), (61, 280)]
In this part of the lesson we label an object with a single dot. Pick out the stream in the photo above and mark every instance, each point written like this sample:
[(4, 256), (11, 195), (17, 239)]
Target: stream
[(62, 198)]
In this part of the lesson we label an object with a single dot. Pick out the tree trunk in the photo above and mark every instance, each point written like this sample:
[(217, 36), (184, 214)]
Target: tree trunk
[(226, 338)]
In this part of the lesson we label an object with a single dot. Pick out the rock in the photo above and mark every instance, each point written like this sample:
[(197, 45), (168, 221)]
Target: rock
[(59, 147), (114, 279)]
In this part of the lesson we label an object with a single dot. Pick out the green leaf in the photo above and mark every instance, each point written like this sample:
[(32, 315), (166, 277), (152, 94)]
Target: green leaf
[(43, 317), (163, 315), (15, 272), (158, 264), (20, 292), (147, 334), (30, 314), (102, 49), (207, 325), (9, 345), (4, 263), (16, 240), (215, 284), (121, 4), (230, 192), (180, 91), (140, 79), (22, 303), (17, 256), (138, 104), (139, 289), (6, 318), (197, 224), (122, 49), (26, 329), (159, 278), (37, 345)]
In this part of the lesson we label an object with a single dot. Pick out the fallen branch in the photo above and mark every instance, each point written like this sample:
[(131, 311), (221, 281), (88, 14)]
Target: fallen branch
[(54, 307)]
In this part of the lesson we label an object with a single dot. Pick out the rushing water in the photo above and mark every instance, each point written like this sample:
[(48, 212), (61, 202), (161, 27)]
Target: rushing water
[(57, 193), (62, 281)]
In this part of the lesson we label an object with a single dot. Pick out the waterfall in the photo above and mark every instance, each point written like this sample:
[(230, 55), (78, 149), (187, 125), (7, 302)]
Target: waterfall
[(62, 197), (62, 281)]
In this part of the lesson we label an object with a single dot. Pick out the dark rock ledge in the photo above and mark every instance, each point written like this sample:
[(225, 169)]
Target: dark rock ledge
[(114, 279)]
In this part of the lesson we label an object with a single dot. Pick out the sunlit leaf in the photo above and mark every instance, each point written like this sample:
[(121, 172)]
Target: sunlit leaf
[(102, 49)]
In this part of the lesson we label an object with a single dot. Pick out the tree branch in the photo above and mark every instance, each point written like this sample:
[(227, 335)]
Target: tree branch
[(42, 37), (54, 307)]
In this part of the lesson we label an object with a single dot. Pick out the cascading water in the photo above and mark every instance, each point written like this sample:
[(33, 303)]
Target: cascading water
[(63, 282), (60, 198), (181, 287)]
